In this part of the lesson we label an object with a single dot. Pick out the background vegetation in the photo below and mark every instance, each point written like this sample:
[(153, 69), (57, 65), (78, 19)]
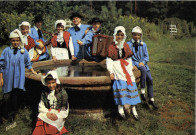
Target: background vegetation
[(172, 59)]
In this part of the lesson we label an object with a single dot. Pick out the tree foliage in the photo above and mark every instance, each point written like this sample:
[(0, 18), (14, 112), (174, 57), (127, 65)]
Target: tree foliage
[(113, 13)]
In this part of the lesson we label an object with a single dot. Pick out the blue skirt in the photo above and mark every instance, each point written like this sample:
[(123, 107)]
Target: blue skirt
[(125, 94)]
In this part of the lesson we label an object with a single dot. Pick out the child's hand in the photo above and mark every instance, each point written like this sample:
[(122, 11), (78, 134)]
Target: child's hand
[(141, 64), (54, 116), (134, 68), (112, 76), (73, 57), (79, 42), (33, 71), (54, 58), (1, 82), (51, 116)]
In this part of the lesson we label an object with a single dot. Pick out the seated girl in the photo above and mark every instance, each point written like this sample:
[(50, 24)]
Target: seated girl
[(53, 107)]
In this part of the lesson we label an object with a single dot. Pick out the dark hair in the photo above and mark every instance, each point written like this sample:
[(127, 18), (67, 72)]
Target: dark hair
[(119, 31), (59, 24), (48, 78)]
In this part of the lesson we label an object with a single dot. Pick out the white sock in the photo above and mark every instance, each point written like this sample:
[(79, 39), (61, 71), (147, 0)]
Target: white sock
[(143, 90), (152, 99), (133, 108), (121, 110)]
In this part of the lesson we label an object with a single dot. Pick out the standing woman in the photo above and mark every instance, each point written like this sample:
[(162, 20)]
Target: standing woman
[(119, 65)]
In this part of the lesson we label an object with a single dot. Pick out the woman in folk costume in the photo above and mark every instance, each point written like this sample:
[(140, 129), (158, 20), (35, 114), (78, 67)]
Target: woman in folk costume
[(29, 43), (13, 61), (53, 107), (62, 44), (119, 65)]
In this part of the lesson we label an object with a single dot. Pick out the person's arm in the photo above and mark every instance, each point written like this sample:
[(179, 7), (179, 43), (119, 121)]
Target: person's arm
[(146, 56), (63, 113), (109, 65), (71, 49), (1, 79), (88, 39), (53, 52)]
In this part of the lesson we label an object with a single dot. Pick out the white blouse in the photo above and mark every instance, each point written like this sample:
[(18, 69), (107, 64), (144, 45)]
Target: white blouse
[(59, 123)]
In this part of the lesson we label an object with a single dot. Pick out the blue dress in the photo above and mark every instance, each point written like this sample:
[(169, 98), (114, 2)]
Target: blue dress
[(13, 68), (35, 36), (78, 36), (124, 93)]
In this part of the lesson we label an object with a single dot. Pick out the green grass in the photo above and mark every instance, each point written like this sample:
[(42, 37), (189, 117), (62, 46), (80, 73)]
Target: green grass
[(172, 64)]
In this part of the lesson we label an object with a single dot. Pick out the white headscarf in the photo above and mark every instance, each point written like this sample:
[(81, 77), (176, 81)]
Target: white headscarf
[(60, 21), (122, 29), (16, 33), (54, 75), (25, 23), (120, 45)]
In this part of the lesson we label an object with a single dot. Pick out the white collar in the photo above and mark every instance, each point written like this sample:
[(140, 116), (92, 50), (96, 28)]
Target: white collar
[(94, 30), (78, 25), (133, 41), (139, 41), (36, 28)]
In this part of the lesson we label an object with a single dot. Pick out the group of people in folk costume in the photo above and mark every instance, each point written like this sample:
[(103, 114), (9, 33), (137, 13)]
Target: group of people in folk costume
[(122, 59)]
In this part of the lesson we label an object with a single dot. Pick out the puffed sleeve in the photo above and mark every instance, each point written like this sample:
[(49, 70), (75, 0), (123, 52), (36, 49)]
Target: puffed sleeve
[(109, 65)]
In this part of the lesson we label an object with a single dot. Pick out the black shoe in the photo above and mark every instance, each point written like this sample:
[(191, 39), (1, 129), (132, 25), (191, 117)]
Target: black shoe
[(153, 104), (143, 97), (136, 117), (121, 117)]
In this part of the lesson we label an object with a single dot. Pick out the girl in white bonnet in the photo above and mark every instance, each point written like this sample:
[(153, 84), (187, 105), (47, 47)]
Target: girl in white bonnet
[(119, 65), (62, 45), (53, 107), (29, 43), (13, 61)]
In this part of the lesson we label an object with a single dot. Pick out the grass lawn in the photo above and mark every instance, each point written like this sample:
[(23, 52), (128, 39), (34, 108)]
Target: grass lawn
[(172, 64)]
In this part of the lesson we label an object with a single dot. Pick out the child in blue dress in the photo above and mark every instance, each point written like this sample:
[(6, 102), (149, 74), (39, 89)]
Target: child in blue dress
[(140, 59), (119, 66), (13, 61)]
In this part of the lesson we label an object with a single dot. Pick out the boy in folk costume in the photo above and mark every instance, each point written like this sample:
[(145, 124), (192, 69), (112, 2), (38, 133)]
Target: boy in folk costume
[(13, 61), (119, 65), (77, 33), (36, 34), (140, 59), (29, 43), (87, 41), (62, 44), (53, 107)]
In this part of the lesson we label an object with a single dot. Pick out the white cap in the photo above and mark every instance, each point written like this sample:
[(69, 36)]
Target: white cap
[(25, 23), (137, 29), (121, 28), (16, 33), (54, 75), (60, 21)]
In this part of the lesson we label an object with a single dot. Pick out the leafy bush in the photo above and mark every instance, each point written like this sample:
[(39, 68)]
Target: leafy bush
[(184, 29), (9, 22)]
